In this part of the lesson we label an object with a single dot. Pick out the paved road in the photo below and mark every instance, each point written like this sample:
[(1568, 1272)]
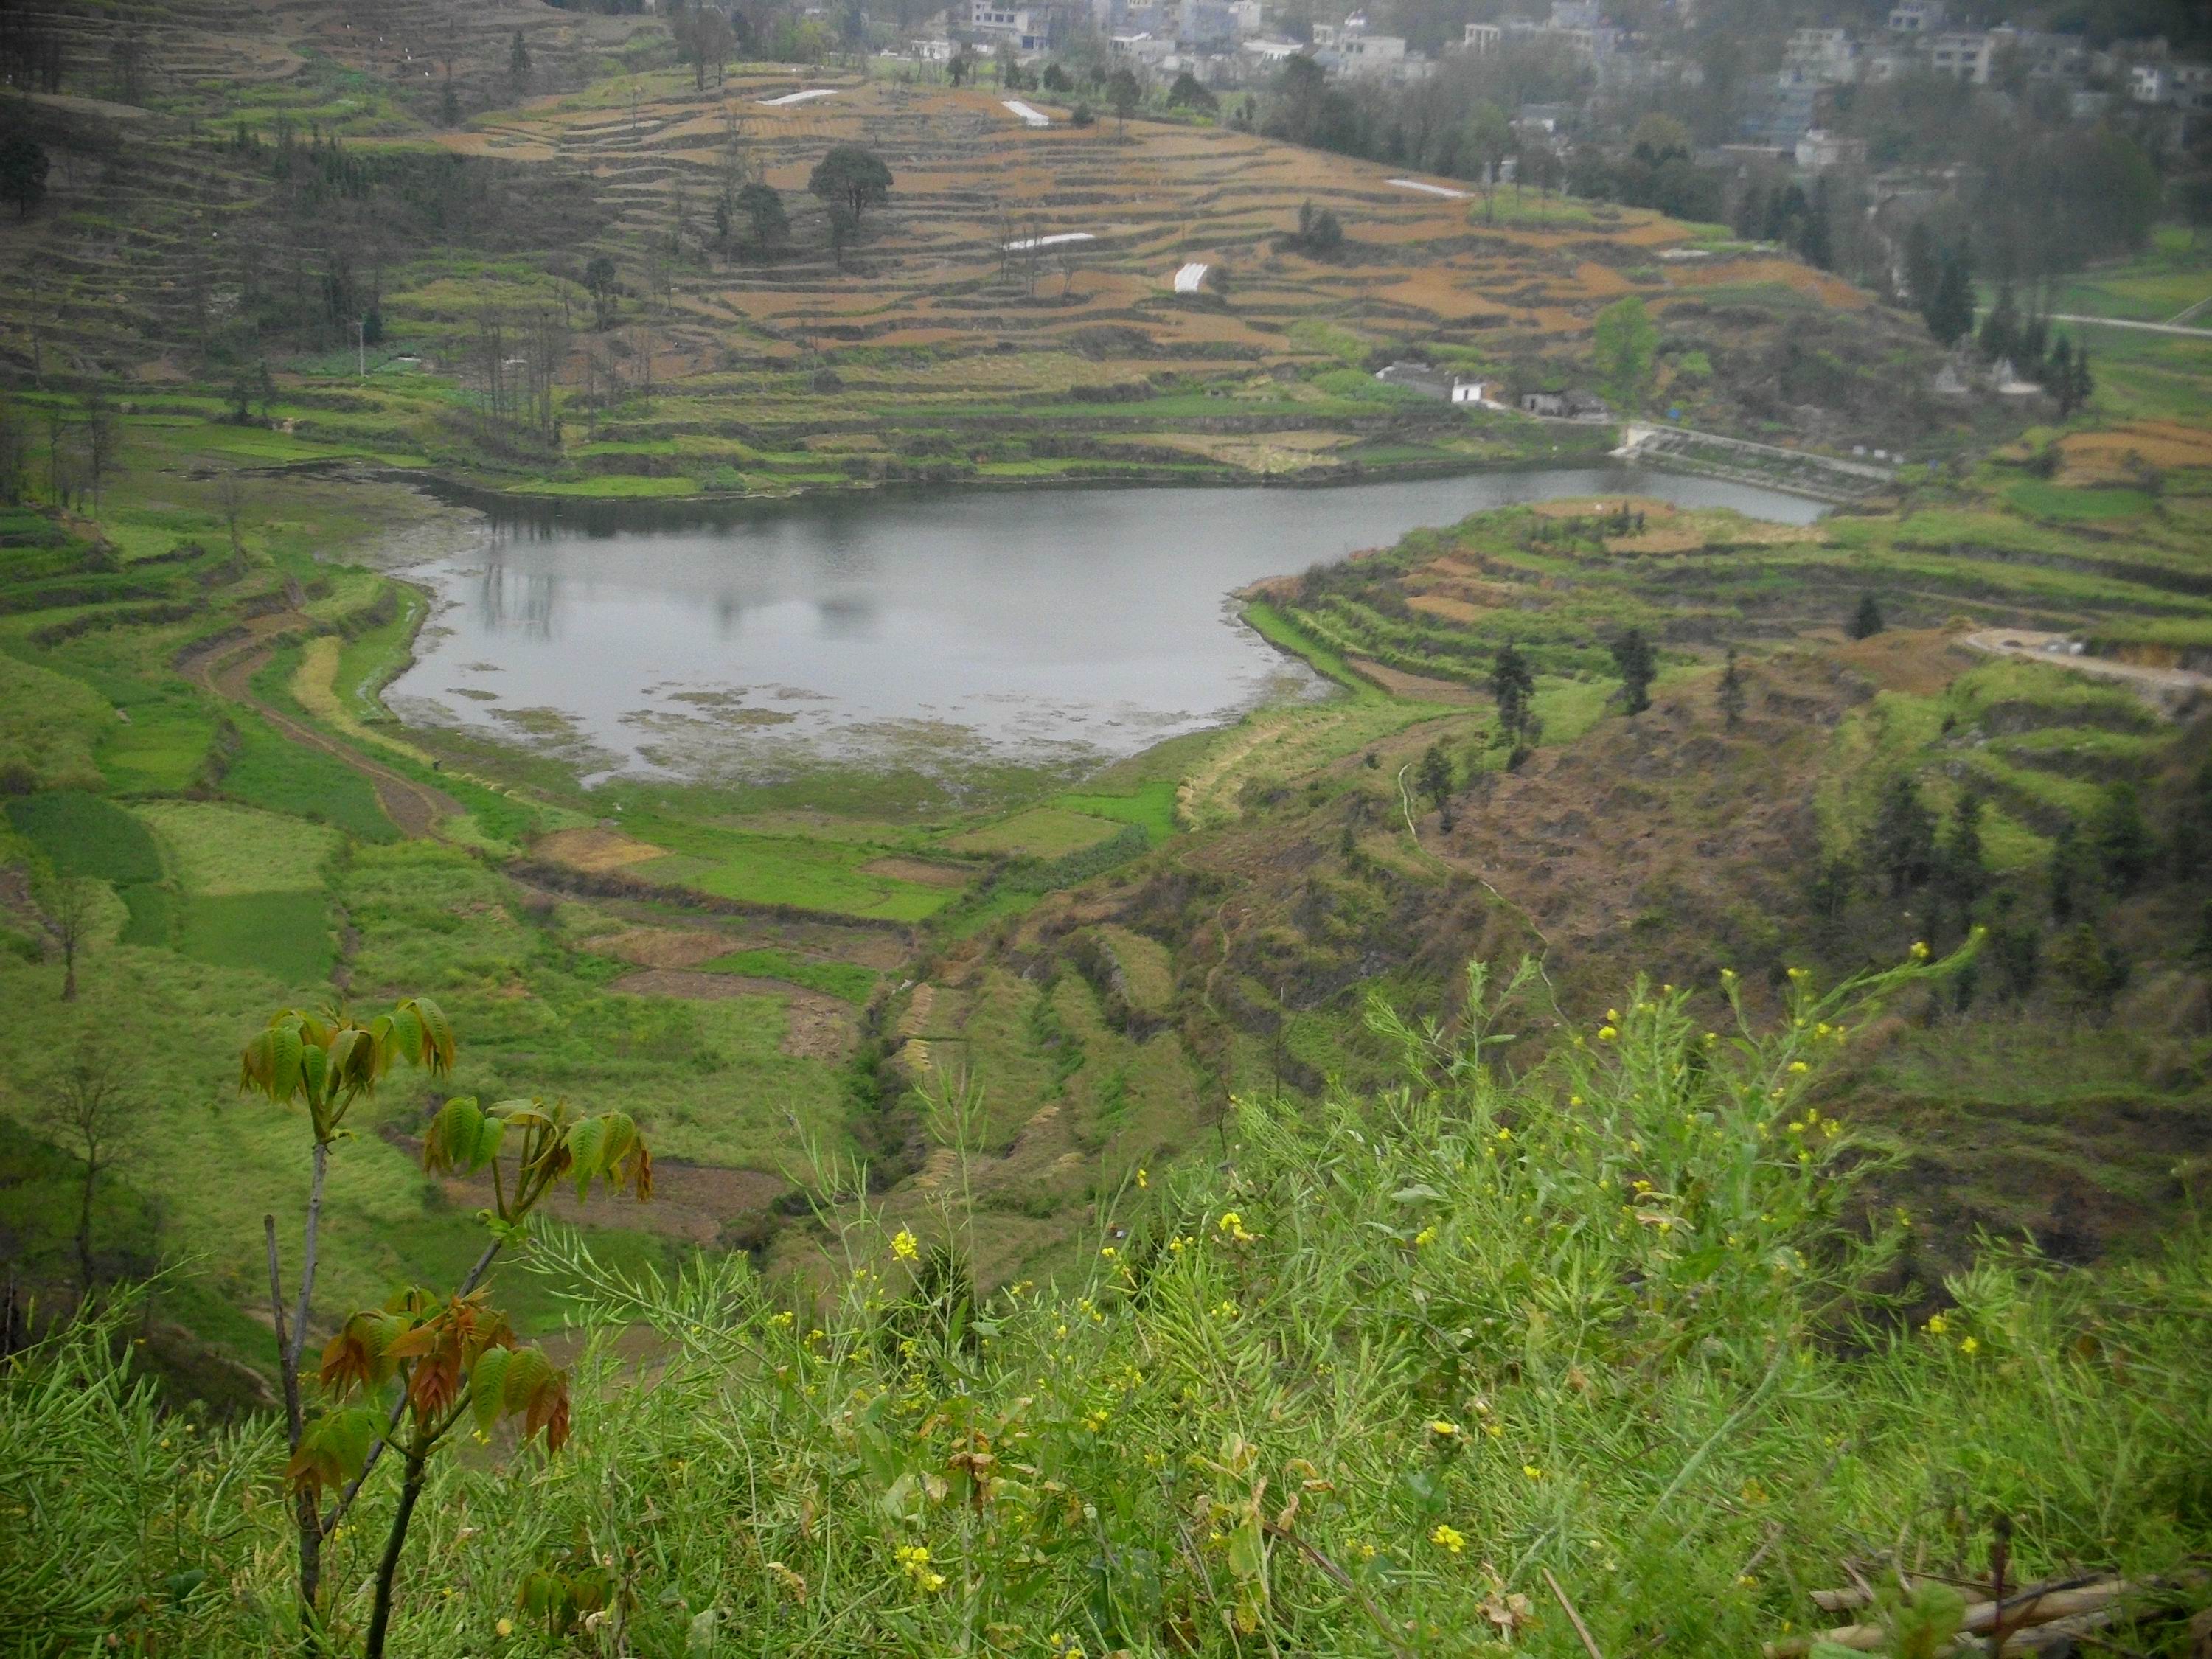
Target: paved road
[(2124, 322)]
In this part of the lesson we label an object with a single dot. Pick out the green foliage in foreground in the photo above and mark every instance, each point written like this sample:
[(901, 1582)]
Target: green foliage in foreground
[(1353, 1390)]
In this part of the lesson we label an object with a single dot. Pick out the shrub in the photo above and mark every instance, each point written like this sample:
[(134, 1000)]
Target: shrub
[(1394, 1362)]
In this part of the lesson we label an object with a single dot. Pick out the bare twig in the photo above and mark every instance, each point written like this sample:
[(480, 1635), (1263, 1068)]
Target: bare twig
[(1590, 1645), (1344, 1581)]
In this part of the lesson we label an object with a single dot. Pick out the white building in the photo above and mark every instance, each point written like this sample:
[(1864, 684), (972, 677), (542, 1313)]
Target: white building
[(1915, 17), (1030, 28), (1820, 149), (2188, 86), (1824, 56), (1482, 39), (1371, 54), (1962, 55)]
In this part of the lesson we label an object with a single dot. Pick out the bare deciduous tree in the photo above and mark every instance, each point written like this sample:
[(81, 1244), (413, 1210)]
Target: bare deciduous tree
[(230, 502), (89, 1103), (70, 903)]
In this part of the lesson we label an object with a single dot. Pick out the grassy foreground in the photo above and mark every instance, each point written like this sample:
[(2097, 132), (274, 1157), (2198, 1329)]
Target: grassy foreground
[(1358, 1388)]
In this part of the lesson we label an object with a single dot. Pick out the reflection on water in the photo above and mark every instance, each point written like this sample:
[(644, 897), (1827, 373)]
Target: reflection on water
[(721, 642)]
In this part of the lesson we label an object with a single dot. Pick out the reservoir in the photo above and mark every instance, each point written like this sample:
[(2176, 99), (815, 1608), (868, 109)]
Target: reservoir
[(716, 641)]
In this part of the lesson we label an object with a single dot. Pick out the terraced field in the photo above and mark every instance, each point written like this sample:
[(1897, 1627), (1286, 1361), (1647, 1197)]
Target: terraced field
[(1009, 315)]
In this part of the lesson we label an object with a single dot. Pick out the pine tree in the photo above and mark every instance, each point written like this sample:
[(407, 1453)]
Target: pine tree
[(1730, 696), (2087, 976), (1999, 335), (1434, 776), (518, 59), (1903, 846), (2119, 838), (2070, 875), (1949, 313), (1960, 873), (1632, 657), (1515, 689), (1867, 620), (2015, 945)]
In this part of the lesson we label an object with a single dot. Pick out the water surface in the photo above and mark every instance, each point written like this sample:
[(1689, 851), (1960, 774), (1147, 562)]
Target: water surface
[(1067, 627)]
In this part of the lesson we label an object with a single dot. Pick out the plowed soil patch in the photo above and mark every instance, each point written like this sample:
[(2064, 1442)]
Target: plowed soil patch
[(1420, 687), (1919, 661), (665, 947), (1451, 610), (2157, 443), (817, 1027), (1831, 290), (597, 850), (920, 870), (690, 1201)]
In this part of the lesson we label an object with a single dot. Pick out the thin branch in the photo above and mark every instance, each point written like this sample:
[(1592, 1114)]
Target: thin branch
[(1590, 1645)]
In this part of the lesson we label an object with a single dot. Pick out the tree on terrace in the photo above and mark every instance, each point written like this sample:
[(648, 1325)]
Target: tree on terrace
[(1123, 92), (1731, 695), (1903, 847), (1488, 139), (1632, 657), (89, 1102), (518, 60), (1626, 345), (1434, 779), (1867, 620), (764, 215), (23, 169), (852, 177)]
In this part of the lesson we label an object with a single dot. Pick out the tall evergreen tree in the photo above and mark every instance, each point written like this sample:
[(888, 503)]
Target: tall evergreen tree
[(1515, 689), (1867, 620), (1633, 659), (1999, 335), (1902, 845), (2120, 839), (1950, 311), (1961, 872), (1731, 695)]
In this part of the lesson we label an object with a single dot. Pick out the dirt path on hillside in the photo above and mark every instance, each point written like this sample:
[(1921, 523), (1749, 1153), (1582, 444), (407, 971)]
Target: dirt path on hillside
[(227, 672), (2169, 687)]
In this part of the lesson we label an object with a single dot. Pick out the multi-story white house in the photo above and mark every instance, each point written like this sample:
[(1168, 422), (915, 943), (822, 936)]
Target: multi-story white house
[(1821, 57), (1962, 55), (1915, 17), (1482, 39)]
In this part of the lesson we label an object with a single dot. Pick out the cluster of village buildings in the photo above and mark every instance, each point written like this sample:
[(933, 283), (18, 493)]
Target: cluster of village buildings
[(1226, 43)]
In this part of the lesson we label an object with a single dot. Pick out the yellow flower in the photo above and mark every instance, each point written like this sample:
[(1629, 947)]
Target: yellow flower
[(1574, 1100), (1495, 1431), (1109, 1253), (1607, 1034), (1919, 951), (1798, 1065), (904, 1245), (1177, 1246), (1443, 1428), (1427, 1236), (1937, 1325), (1612, 1015), (1449, 1537), (1969, 1345), (505, 1627), (1506, 1134), (1532, 1472), (1143, 1178)]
